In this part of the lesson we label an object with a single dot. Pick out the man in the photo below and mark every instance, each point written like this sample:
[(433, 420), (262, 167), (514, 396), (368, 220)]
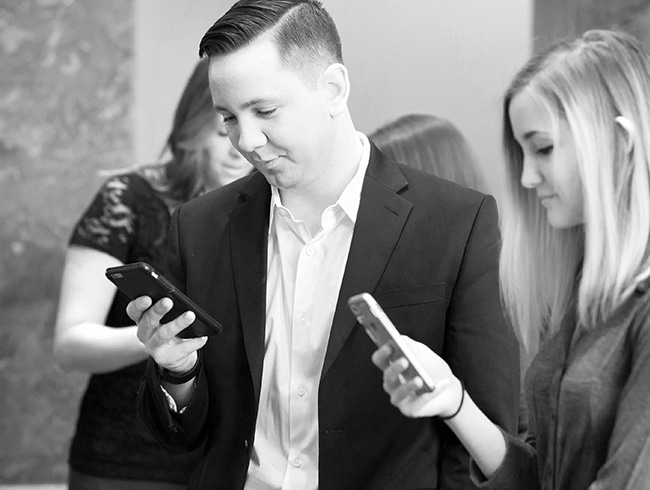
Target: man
[(287, 395)]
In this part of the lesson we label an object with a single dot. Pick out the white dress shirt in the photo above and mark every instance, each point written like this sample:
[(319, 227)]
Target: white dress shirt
[(304, 275)]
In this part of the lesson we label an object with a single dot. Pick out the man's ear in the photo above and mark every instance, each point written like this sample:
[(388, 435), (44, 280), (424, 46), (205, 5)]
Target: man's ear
[(629, 131), (336, 84)]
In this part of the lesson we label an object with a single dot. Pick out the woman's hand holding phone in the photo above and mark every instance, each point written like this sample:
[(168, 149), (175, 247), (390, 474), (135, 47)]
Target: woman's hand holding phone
[(419, 382), (407, 394)]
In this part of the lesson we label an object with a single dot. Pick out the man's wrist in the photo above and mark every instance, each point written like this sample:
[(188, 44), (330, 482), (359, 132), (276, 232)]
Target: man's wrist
[(177, 378)]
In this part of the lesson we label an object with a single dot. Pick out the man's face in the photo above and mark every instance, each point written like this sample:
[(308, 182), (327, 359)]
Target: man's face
[(279, 122)]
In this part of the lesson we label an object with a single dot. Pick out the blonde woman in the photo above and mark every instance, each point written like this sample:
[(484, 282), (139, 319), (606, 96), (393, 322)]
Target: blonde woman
[(575, 265)]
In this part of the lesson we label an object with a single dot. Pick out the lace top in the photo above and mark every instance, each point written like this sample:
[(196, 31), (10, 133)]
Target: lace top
[(128, 220)]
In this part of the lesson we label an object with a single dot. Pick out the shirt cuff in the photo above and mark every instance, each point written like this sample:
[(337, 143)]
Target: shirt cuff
[(171, 403)]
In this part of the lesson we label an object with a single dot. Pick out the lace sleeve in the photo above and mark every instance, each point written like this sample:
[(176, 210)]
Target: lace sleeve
[(109, 223)]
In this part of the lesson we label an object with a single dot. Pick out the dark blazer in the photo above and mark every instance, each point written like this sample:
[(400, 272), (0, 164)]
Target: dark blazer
[(427, 250)]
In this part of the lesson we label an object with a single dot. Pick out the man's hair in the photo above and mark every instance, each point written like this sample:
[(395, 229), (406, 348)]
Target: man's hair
[(302, 29)]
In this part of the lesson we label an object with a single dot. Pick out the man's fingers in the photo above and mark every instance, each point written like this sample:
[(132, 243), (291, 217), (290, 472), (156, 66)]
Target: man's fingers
[(148, 318), (137, 307), (168, 331)]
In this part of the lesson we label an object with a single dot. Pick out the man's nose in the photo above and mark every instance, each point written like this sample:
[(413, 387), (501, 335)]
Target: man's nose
[(250, 137)]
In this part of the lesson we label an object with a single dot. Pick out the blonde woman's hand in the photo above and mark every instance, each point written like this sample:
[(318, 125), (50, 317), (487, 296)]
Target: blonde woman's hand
[(443, 401)]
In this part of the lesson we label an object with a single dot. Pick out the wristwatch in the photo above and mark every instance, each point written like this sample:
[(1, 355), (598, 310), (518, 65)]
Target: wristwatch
[(181, 378)]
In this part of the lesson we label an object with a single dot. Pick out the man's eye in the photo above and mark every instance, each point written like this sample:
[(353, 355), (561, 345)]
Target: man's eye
[(228, 119), (544, 150), (266, 113)]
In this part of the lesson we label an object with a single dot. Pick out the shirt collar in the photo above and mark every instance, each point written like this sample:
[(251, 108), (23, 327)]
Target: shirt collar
[(350, 197)]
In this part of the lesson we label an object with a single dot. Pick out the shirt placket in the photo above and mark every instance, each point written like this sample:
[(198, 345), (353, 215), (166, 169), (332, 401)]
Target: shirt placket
[(302, 395)]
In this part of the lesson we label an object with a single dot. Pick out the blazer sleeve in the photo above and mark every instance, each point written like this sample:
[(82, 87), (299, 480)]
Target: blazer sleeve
[(178, 432), (480, 346)]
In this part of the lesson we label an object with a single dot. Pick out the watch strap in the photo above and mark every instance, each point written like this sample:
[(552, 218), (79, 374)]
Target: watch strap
[(181, 378)]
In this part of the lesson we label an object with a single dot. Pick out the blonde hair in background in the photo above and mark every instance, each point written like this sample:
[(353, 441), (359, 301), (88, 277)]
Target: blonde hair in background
[(433, 145), (546, 273)]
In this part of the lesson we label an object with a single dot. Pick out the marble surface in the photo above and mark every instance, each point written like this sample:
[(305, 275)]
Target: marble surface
[(65, 103)]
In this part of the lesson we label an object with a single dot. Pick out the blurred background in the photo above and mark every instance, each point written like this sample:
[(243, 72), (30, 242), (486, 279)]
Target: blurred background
[(88, 86)]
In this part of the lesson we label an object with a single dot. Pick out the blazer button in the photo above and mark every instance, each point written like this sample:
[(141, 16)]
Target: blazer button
[(245, 443)]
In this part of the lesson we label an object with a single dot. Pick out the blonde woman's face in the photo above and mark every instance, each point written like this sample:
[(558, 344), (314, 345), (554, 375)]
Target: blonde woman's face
[(550, 161), (226, 162)]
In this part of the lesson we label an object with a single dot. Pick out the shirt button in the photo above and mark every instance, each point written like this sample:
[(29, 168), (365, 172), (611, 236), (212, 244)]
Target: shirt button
[(301, 392), (302, 321), (297, 463), (310, 251)]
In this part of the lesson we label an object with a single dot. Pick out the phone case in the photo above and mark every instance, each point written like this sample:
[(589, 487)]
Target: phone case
[(140, 279), (381, 330)]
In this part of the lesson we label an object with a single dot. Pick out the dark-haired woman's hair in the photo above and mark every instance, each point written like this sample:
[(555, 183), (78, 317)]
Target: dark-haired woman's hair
[(186, 169)]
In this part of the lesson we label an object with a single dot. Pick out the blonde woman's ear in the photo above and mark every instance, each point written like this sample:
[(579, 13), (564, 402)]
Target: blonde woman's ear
[(629, 131)]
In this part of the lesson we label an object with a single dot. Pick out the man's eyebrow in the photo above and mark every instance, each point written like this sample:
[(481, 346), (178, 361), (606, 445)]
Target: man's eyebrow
[(245, 105)]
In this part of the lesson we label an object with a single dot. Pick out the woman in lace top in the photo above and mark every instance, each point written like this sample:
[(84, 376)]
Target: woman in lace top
[(575, 269), (127, 222)]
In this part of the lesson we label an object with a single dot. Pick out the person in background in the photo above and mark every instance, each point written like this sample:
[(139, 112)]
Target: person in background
[(433, 145), (287, 396), (575, 276), (128, 222)]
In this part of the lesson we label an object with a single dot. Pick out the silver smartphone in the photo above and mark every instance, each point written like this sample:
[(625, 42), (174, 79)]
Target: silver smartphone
[(381, 330)]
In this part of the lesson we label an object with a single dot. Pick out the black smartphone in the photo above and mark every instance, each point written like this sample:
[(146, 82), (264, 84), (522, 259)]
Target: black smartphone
[(381, 330), (140, 279)]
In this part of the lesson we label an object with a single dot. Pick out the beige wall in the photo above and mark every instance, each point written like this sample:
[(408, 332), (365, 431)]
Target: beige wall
[(452, 58)]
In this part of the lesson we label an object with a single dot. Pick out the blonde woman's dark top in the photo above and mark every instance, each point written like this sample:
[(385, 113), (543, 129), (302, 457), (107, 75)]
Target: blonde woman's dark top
[(588, 391)]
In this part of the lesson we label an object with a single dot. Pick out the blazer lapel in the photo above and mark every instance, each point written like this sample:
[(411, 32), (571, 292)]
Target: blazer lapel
[(380, 220), (249, 232)]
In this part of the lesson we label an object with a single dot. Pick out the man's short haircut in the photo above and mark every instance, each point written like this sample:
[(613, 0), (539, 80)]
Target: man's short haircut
[(302, 29)]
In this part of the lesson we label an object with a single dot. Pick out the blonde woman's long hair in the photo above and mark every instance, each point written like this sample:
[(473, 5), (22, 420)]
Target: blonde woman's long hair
[(550, 274)]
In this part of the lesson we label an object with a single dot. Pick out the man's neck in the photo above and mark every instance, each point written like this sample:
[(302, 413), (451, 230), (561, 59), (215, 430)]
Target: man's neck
[(308, 203)]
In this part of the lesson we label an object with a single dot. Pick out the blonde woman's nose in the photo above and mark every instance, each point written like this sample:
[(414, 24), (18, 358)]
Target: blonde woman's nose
[(530, 175)]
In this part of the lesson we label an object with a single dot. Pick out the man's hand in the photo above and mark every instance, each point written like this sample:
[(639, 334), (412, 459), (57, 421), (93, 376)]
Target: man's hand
[(160, 341)]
